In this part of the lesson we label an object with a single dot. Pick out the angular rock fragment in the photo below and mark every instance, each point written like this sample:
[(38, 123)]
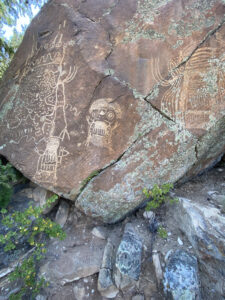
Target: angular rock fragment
[(204, 226), (62, 213), (106, 285), (40, 196), (157, 266), (104, 98), (128, 259), (99, 232), (181, 279), (82, 261), (220, 201)]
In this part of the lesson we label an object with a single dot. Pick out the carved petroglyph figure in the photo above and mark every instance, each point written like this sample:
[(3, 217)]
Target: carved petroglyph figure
[(170, 99), (102, 120), (49, 160), (52, 77), (187, 98)]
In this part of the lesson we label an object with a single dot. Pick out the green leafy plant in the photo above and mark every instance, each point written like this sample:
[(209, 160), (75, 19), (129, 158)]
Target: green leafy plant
[(158, 196), (35, 228), (162, 232), (8, 176), (86, 180)]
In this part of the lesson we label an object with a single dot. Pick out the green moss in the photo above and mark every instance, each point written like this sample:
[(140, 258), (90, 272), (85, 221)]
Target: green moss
[(184, 29), (10, 103), (86, 180), (154, 94), (146, 13), (210, 79)]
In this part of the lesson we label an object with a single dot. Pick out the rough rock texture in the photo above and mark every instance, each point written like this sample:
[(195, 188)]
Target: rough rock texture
[(40, 196), (204, 227), (181, 276), (62, 213), (133, 89), (74, 264), (106, 285), (128, 259)]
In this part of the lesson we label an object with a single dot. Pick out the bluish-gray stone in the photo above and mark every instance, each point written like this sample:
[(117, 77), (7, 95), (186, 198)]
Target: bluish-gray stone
[(128, 258), (181, 279)]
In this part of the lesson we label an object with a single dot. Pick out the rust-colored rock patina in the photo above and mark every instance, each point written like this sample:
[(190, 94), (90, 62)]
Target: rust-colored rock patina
[(105, 97)]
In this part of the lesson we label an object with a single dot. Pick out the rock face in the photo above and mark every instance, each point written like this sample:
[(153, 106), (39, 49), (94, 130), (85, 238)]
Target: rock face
[(77, 263), (204, 227), (128, 92)]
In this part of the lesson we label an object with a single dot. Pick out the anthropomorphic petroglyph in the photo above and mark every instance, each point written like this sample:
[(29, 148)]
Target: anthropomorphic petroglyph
[(102, 119), (55, 123), (191, 85), (42, 86)]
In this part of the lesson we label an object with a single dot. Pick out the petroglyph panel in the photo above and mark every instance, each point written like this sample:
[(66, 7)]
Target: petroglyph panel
[(43, 81), (192, 88)]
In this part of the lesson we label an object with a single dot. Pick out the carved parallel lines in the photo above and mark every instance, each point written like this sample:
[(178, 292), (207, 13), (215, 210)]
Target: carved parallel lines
[(200, 59)]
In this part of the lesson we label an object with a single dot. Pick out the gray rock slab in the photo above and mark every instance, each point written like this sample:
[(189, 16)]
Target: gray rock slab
[(106, 284), (62, 213), (128, 258), (82, 261), (181, 279)]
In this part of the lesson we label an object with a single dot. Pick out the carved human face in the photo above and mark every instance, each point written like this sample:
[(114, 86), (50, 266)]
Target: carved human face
[(102, 119)]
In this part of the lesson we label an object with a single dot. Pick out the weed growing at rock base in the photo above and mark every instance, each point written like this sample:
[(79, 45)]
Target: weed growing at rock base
[(158, 195), (34, 227), (162, 232)]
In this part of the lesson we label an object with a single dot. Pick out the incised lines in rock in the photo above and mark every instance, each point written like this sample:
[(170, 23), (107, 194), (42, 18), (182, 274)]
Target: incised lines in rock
[(194, 87), (102, 120), (52, 157)]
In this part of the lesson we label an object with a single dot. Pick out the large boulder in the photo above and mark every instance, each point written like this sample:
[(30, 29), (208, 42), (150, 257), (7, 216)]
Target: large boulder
[(105, 97)]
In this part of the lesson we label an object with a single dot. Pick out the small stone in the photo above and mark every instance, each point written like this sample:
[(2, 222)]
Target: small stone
[(150, 215), (179, 241), (62, 213), (181, 279), (128, 259), (168, 254), (99, 232), (158, 269), (220, 170)]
